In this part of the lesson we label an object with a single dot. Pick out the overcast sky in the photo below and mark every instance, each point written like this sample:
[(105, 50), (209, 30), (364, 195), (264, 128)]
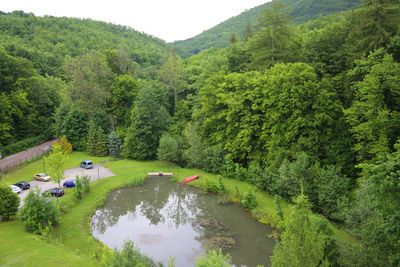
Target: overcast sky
[(169, 20)]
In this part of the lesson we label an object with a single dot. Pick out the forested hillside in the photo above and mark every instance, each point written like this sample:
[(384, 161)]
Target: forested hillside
[(38, 54), (220, 35), (308, 113)]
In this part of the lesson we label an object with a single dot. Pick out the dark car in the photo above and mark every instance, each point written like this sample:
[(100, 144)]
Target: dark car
[(69, 183), (23, 185), (55, 192)]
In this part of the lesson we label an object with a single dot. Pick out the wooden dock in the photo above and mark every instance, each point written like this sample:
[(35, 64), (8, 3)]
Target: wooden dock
[(160, 174)]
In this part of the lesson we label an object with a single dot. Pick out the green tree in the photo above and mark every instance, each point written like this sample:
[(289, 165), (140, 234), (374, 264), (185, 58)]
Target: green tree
[(374, 116), (78, 188), (101, 148), (374, 24), (147, 124), (300, 243), (55, 163), (123, 93), (66, 147), (114, 145), (89, 77), (38, 212), (272, 43), (9, 202), (247, 32), (170, 148), (193, 153), (92, 139)]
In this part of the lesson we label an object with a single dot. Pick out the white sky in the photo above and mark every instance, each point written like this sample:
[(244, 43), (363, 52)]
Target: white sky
[(169, 20)]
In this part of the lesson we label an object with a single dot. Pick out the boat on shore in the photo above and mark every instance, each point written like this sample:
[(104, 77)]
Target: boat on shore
[(191, 178)]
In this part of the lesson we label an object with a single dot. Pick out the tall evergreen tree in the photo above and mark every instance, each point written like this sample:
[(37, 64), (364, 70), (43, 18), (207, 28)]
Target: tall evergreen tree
[(101, 149), (272, 42), (375, 23), (114, 145), (91, 141)]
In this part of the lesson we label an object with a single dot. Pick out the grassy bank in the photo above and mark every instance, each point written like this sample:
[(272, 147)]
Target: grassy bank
[(71, 244)]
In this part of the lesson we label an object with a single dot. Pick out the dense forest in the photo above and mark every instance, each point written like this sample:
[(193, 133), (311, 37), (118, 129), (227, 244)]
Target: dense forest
[(310, 110), (219, 35)]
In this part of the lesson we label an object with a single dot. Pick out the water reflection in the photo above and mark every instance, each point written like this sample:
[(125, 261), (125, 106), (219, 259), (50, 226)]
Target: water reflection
[(166, 219)]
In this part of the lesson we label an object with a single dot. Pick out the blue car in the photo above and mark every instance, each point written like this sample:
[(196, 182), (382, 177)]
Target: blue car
[(69, 183)]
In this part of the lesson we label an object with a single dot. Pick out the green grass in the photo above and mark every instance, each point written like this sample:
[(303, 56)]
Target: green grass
[(71, 244)]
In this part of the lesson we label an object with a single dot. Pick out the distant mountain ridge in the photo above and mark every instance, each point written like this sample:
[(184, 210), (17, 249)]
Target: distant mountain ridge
[(302, 11)]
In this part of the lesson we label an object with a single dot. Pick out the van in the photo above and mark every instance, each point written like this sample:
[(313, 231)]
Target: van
[(87, 164)]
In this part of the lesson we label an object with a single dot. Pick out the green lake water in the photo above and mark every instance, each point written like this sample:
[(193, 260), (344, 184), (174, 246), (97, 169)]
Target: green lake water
[(166, 219)]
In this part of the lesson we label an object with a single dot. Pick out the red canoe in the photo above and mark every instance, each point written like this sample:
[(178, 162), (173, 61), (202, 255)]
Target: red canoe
[(191, 178)]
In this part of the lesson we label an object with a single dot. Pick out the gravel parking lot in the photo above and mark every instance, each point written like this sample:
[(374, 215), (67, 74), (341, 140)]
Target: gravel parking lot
[(98, 172)]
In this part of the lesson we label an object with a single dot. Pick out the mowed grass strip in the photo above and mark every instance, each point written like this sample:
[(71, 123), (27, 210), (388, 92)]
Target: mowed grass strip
[(19, 248)]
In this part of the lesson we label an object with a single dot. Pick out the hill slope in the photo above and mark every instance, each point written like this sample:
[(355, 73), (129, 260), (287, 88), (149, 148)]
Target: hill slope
[(46, 41), (301, 10)]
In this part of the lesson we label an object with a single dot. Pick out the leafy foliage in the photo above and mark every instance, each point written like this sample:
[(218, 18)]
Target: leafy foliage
[(55, 163), (9, 202), (214, 259), (38, 211)]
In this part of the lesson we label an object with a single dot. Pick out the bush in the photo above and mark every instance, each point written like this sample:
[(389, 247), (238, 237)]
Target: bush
[(9, 202), (78, 188), (214, 259), (22, 145), (85, 179), (170, 149), (66, 147), (214, 160), (229, 167), (38, 212), (249, 200), (129, 256), (210, 186)]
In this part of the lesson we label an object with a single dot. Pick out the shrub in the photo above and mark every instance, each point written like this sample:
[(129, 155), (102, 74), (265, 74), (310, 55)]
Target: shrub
[(249, 200), (114, 145), (214, 160), (78, 188), (85, 179), (170, 149), (229, 168), (129, 256), (9, 202), (214, 259), (38, 212), (66, 147), (210, 186)]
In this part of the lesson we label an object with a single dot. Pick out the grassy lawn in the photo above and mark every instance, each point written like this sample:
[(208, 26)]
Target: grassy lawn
[(71, 244)]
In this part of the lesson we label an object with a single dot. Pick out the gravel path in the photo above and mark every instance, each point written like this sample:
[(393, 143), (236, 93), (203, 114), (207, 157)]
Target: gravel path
[(98, 172), (25, 155)]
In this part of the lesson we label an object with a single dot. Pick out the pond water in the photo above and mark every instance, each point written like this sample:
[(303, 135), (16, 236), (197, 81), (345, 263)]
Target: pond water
[(166, 219)]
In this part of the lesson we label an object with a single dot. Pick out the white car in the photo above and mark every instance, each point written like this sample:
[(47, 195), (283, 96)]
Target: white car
[(15, 189)]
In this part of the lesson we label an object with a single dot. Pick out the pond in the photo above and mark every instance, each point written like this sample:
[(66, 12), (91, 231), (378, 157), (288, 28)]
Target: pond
[(166, 219)]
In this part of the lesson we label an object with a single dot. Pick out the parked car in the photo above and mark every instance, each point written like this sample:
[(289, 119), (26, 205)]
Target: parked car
[(42, 177), (55, 192), (23, 185), (15, 189), (87, 164), (69, 183)]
